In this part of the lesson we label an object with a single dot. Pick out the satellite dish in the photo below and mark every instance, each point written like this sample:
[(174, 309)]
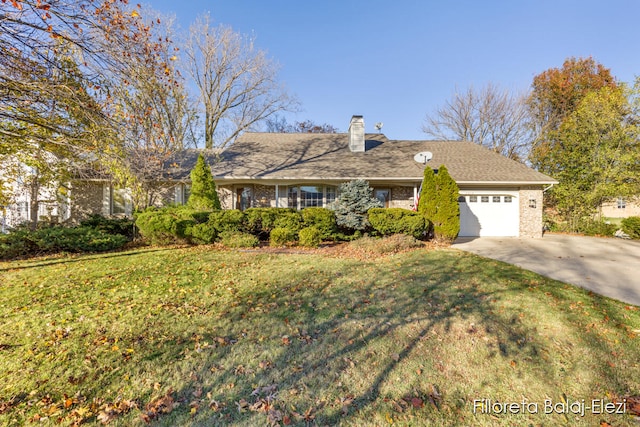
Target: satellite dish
[(423, 157), (378, 126)]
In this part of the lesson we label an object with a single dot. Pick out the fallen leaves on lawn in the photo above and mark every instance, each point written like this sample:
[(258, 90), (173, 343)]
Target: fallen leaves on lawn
[(110, 411), (266, 403), (158, 406)]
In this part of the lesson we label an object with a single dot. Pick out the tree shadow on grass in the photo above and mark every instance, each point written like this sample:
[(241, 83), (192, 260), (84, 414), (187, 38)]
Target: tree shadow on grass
[(80, 258), (324, 348), (323, 343)]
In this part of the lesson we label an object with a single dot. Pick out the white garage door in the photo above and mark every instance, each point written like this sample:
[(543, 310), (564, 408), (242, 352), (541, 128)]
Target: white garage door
[(489, 215)]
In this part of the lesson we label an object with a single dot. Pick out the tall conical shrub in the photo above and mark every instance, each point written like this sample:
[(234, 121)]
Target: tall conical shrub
[(427, 203), (446, 221), (204, 196)]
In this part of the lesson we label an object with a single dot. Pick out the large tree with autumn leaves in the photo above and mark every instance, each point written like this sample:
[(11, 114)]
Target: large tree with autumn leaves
[(586, 137), (89, 83)]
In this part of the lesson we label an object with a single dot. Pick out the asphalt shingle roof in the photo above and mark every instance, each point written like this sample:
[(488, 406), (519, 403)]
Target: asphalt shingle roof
[(327, 156)]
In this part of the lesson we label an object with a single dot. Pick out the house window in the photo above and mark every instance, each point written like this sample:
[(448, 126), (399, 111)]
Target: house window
[(484, 199), (496, 199), (622, 203), (244, 198), (310, 196), (462, 199), (473, 199), (186, 192), (118, 201), (532, 203), (292, 197), (306, 196), (384, 195), (330, 195), (23, 209), (507, 199)]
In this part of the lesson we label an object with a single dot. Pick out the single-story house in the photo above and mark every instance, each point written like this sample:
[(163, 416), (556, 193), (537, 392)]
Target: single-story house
[(621, 207), (498, 196)]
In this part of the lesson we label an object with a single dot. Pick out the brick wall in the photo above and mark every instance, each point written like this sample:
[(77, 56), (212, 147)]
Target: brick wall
[(530, 217), (87, 198), (401, 197)]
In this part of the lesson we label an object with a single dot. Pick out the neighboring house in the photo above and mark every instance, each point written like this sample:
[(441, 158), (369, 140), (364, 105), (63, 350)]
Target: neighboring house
[(621, 207), (498, 196), (18, 180)]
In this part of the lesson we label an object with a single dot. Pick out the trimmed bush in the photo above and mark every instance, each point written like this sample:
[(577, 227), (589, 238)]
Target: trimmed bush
[(236, 239), (260, 221), (58, 239), (163, 226), (122, 226), (227, 220), (631, 226), (280, 236), (310, 237), (202, 233), (291, 219), (321, 218), (387, 221)]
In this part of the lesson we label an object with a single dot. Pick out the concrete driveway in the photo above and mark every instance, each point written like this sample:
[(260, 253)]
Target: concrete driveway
[(607, 266)]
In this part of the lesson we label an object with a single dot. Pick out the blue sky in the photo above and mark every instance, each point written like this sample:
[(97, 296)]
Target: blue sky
[(396, 61)]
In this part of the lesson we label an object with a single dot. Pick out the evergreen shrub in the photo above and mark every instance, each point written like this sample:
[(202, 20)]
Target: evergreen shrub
[(203, 196), (631, 226), (227, 220), (280, 236), (163, 226), (322, 219), (354, 200), (310, 237), (236, 239), (387, 221)]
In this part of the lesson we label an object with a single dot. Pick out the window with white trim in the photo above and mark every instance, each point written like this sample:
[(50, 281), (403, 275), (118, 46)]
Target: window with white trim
[(473, 199), (305, 196), (622, 203), (118, 201), (508, 199), (496, 199), (484, 199), (186, 192)]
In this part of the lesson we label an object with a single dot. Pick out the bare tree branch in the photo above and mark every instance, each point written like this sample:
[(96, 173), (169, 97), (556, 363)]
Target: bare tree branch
[(492, 117), (237, 82)]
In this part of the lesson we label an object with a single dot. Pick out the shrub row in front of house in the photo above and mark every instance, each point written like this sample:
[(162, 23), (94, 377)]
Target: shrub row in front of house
[(279, 226), (96, 234)]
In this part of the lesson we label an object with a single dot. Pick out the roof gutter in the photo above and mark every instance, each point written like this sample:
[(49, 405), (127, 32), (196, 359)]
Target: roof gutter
[(407, 179)]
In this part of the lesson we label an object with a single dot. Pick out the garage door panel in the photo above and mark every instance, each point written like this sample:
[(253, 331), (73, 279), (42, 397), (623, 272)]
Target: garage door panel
[(489, 215)]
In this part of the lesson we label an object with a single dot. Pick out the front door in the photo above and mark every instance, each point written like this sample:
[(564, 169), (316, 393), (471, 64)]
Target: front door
[(244, 197), (382, 194)]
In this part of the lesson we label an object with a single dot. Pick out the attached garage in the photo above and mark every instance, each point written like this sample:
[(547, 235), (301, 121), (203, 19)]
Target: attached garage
[(489, 214)]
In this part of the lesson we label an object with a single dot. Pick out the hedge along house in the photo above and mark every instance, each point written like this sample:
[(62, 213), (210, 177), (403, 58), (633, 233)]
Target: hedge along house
[(498, 196)]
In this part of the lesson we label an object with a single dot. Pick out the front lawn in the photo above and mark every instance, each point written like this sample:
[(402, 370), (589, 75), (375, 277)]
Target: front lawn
[(199, 336)]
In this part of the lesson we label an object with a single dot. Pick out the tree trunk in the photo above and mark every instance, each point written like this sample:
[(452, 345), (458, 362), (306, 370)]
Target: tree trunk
[(34, 202)]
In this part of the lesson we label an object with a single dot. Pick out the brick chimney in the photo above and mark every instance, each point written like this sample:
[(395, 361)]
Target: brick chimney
[(356, 134)]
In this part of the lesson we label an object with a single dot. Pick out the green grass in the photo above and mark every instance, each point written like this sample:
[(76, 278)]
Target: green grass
[(197, 336)]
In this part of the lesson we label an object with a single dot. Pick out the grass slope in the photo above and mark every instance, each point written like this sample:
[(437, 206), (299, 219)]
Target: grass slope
[(195, 336)]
